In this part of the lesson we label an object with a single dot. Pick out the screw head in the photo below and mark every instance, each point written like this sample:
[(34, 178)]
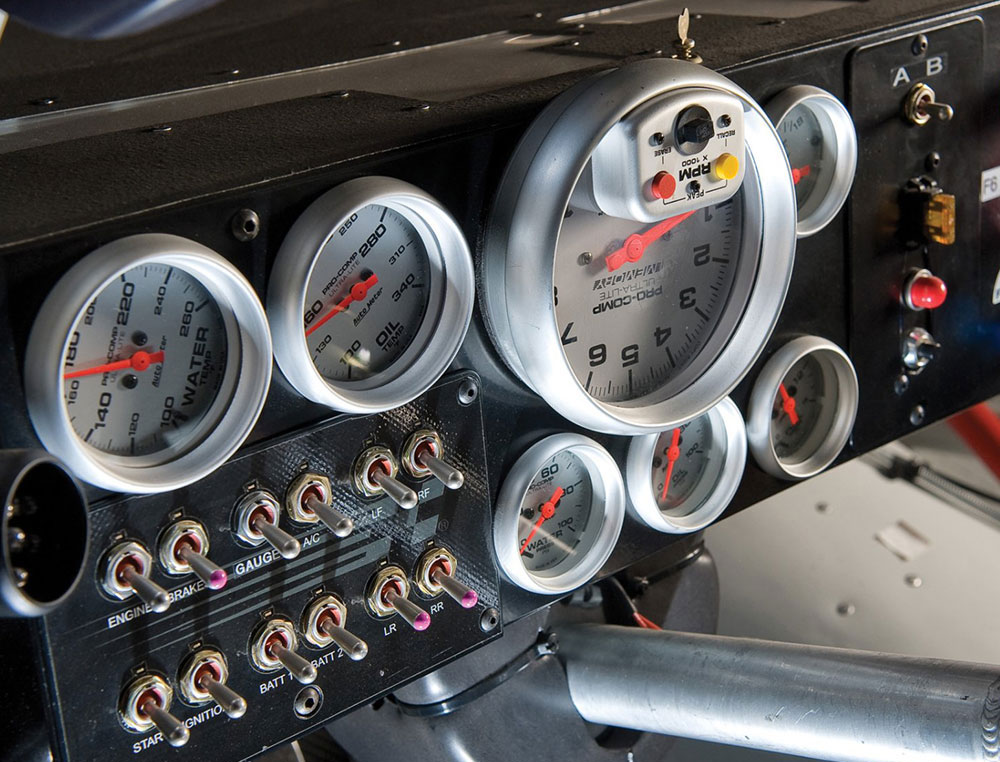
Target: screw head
[(489, 620), (933, 160), (468, 392), (917, 415), (912, 580), (901, 384), (846, 609), (245, 225), (919, 45)]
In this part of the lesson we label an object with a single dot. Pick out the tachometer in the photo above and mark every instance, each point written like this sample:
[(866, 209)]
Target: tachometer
[(148, 364), (370, 296), (640, 247)]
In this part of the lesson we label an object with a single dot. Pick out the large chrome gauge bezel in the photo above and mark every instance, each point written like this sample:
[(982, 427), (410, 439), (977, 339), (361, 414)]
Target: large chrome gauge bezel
[(714, 490), (523, 232), (449, 307), (232, 414), (837, 369), (838, 131), (608, 487)]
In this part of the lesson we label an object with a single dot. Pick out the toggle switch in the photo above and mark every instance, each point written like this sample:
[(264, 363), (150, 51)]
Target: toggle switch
[(309, 499), (203, 679), (422, 457), (924, 291), (127, 567), (375, 475), (919, 348), (145, 704), (324, 621), (273, 647), (183, 549), (255, 520), (436, 574), (920, 106), (388, 594)]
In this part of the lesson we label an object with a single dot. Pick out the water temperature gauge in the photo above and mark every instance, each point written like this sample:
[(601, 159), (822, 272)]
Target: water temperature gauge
[(802, 408), (681, 479), (819, 138), (559, 514)]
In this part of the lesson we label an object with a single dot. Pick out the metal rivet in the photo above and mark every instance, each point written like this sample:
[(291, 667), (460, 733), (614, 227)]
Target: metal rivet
[(489, 620), (912, 580), (245, 225), (468, 392), (538, 14), (901, 384), (933, 160), (846, 609), (822, 507), (160, 128), (340, 94), (919, 45), (917, 415), (396, 43), (43, 102)]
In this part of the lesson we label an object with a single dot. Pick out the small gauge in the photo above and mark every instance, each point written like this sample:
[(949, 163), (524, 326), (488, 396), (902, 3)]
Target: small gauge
[(559, 514), (148, 364), (802, 408), (370, 296), (822, 147), (681, 479)]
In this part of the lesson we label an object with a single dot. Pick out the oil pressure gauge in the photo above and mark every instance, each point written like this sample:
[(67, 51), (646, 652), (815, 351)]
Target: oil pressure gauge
[(370, 296), (819, 138), (802, 408), (148, 364), (682, 479), (558, 514)]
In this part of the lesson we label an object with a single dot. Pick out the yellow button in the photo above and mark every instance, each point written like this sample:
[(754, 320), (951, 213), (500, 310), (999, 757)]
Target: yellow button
[(726, 167)]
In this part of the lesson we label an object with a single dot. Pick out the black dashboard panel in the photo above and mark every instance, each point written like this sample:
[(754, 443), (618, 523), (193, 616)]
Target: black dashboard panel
[(75, 175)]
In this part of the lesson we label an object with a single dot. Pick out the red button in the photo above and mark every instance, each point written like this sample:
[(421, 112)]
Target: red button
[(664, 185), (925, 292)]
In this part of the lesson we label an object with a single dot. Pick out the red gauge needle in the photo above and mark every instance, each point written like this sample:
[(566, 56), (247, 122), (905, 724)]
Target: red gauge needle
[(799, 172), (140, 361), (788, 404), (548, 510), (673, 453), (635, 245), (357, 293)]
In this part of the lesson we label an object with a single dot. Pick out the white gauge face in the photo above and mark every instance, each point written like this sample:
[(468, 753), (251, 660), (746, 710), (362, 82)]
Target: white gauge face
[(559, 514), (370, 296), (145, 364), (681, 479), (802, 408), (367, 294), (632, 327), (631, 331), (821, 144), (555, 528), (811, 155), (148, 364)]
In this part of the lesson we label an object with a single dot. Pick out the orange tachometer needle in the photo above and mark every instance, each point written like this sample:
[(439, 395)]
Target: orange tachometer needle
[(140, 361), (357, 293), (799, 172), (788, 404), (548, 510), (673, 453), (635, 244)]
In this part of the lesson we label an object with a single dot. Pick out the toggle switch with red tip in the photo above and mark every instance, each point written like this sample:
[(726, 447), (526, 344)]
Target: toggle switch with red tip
[(924, 291), (663, 185)]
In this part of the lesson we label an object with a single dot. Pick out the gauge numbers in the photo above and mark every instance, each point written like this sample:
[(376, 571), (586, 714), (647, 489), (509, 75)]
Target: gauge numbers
[(632, 331), (681, 479), (145, 362), (819, 138), (370, 296), (559, 514), (148, 364), (364, 311), (802, 408)]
